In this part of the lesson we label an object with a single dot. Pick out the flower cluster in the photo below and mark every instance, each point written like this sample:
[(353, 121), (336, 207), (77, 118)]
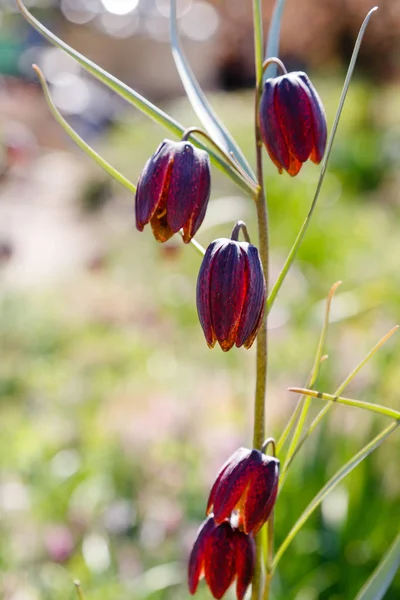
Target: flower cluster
[(173, 192), (240, 502), (172, 195)]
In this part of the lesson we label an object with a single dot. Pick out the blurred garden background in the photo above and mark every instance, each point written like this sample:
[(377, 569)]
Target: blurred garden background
[(114, 414)]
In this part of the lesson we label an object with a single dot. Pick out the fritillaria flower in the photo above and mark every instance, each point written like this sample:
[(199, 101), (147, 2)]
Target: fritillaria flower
[(292, 121), (247, 486), (231, 294), (220, 554), (173, 190)]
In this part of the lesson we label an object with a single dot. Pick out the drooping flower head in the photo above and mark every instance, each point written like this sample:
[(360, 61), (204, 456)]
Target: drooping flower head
[(246, 485), (220, 554), (292, 121), (173, 190), (231, 294)]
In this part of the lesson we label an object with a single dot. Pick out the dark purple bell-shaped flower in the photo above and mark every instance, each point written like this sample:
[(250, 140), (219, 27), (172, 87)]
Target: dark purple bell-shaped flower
[(173, 190), (231, 293), (292, 121)]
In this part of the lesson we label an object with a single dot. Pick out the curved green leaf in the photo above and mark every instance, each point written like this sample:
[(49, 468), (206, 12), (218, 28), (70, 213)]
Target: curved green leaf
[(109, 169), (146, 107), (332, 483), (274, 34), (302, 232), (380, 580), (199, 102)]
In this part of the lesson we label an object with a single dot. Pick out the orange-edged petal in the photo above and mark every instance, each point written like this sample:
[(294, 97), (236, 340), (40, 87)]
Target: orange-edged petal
[(203, 292), (227, 293), (202, 186), (293, 111), (188, 190), (261, 495), (254, 304), (318, 120), (234, 483), (198, 554), (245, 562), (153, 182), (226, 470), (270, 127), (220, 559)]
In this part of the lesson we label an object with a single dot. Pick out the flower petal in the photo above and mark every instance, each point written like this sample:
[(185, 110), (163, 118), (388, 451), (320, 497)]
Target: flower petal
[(203, 294), (152, 185), (220, 560), (270, 127), (198, 554), (203, 194), (234, 482), (261, 495), (245, 562), (227, 468), (318, 120), (228, 289), (293, 110), (254, 304)]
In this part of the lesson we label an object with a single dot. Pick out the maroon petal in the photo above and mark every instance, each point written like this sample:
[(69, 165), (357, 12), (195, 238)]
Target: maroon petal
[(234, 484), (271, 129), (318, 120), (203, 293), (261, 495), (203, 194), (198, 554), (185, 185), (220, 560), (293, 111), (245, 562), (152, 185), (226, 471), (228, 290), (254, 304)]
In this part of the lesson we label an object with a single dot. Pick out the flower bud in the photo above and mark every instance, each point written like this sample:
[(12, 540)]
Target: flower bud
[(292, 121), (173, 190), (231, 294), (220, 554), (248, 485)]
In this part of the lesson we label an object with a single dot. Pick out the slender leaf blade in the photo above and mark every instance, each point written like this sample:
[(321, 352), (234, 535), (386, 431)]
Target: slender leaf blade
[(274, 35), (109, 169), (199, 102), (378, 583), (133, 97), (328, 487)]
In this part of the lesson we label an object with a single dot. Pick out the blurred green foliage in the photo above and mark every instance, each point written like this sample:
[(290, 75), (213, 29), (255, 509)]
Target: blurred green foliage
[(115, 417)]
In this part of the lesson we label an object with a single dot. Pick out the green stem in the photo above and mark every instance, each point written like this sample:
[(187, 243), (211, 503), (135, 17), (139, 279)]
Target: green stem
[(302, 232), (262, 221)]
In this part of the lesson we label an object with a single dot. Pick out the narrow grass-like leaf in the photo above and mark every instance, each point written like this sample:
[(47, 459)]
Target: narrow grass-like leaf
[(301, 234), (109, 169), (375, 408), (199, 102), (323, 412), (313, 378), (332, 483), (79, 591), (377, 585), (146, 107), (274, 34)]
